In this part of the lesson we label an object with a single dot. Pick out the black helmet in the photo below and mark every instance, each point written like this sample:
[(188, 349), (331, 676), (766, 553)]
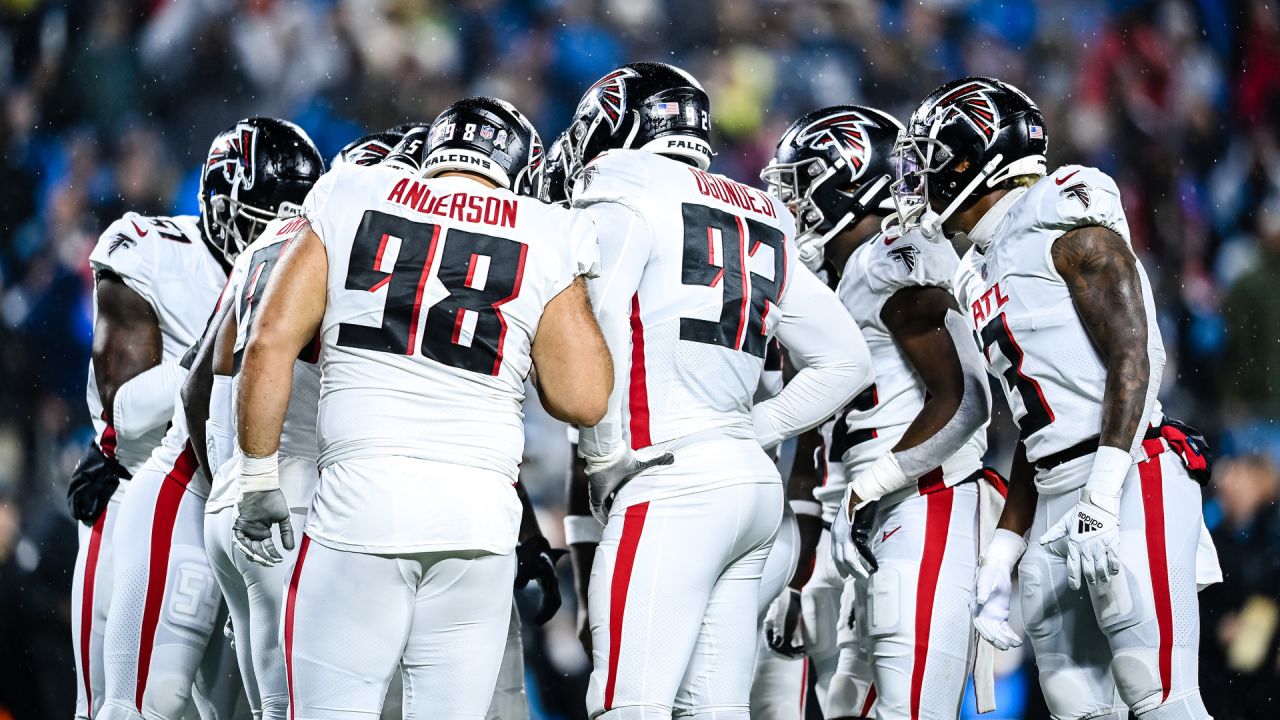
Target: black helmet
[(488, 137), (833, 167), (257, 170), (644, 105), (965, 139), (411, 150), (555, 179), (370, 149)]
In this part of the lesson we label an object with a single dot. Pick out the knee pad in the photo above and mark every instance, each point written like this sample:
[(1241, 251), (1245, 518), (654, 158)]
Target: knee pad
[(1069, 692), (1187, 707), (849, 692), (885, 587), (1137, 676), (112, 710), (819, 612)]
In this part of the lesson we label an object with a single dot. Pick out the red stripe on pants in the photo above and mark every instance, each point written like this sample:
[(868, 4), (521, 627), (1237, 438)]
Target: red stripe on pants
[(172, 488), (870, 701), (86, 604), (937, 523), (632, 526), (1157, 557), (639, 391), (290, 605), (804, 684)]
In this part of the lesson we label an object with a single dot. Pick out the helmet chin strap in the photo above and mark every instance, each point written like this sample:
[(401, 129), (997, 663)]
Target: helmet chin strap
[(931, 225)]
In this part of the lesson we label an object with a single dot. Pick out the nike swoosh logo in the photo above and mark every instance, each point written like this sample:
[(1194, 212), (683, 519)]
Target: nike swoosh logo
[(890, 533), (1068, 177), (141, 232)]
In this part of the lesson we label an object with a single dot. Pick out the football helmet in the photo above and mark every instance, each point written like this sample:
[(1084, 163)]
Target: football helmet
[(409, 153), (256, 171), (965, 139), (644, 105), (556, 177), (489, 137), (371, 149), (833, 167)]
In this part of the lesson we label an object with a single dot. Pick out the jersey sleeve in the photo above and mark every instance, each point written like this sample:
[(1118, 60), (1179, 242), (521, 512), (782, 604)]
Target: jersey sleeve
[(1076, 196), (128, 249), (581, 249), (313, 207), (910, 261)]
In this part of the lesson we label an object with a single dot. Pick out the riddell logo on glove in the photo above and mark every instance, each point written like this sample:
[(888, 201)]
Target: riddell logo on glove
[(1087, 524)]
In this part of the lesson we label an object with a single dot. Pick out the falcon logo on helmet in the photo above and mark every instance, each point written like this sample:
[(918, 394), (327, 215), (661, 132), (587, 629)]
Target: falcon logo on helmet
[(610, 95), (235, 156), (844, 130), (971, 102), (370, 152)]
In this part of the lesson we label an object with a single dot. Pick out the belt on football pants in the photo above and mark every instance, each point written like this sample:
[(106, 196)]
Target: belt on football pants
[(1084, 447), (977, 475)]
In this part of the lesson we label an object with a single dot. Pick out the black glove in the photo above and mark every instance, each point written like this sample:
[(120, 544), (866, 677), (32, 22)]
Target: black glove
[(863, 520), (93, 482), (536, 561), (782, 625)]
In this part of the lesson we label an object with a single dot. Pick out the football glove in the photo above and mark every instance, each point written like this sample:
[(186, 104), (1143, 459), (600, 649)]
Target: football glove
[(994, 589), (536, 562), (93, 482), (782, 625), (1089, 538), (259, 511), (607, 475), (851, 539)]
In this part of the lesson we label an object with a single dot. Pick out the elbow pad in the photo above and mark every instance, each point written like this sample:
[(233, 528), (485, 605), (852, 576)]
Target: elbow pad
[(220, 436), (974, 409), (146, 400)]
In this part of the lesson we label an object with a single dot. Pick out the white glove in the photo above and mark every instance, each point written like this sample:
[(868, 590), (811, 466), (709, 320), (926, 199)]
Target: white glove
[(850, 546), (607, 474), (782, 625), (1089, 535), (994, 589)]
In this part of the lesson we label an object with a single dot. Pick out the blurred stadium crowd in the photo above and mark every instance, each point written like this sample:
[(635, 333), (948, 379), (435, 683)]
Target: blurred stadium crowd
[(107, 106)]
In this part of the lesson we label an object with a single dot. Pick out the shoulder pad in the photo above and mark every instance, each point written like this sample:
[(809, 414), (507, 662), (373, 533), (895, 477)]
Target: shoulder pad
[(612, 176), (908, 261), (128, 246), (1075, 196)]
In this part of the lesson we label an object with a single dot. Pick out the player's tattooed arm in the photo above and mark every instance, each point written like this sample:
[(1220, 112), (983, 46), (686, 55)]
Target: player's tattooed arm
[(1102, 276), (212, 357), (804, 479), (1020, 505), (288, 317), (126, 338)]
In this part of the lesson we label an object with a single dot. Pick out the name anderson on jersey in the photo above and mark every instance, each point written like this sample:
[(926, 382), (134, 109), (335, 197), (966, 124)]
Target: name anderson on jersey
[(459, 206)]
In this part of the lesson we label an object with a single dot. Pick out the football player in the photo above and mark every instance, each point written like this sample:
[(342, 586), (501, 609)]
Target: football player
[(912, 442), (255, 594), (698, 275), (1105, 484), (434, 298), (165, 601)]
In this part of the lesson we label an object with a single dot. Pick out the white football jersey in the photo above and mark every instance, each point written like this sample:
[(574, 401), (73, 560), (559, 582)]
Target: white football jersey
[(710, 260), (298, 435), (436, 289), (165, 261), (1021, 309), (876, 419)]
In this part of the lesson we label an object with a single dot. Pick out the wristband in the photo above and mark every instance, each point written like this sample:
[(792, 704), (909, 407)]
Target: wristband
[(582, 529), (258, 474), (881, 478), (806, 507), (1106, 478), (1006, 548)]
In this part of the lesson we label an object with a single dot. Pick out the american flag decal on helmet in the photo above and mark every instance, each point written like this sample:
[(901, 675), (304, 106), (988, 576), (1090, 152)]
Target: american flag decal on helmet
[(1078, 191), (235, 155), (610, 95), (846, 130), (971, 102)]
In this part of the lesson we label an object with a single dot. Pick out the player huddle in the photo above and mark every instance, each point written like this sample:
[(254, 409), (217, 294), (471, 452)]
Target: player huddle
[(307, 404)]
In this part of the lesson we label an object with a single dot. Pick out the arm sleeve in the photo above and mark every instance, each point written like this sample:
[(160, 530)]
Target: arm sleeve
[(821, 338), (146, 400), (973, 412), (624, 252)]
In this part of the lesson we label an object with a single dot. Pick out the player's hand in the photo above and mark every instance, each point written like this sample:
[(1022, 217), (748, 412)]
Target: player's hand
[(93, 482), (259, 511), (782, 625), (851, 539), (584, 628), (1089, 538), (607, 475), (536, 561), (994, 589)]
